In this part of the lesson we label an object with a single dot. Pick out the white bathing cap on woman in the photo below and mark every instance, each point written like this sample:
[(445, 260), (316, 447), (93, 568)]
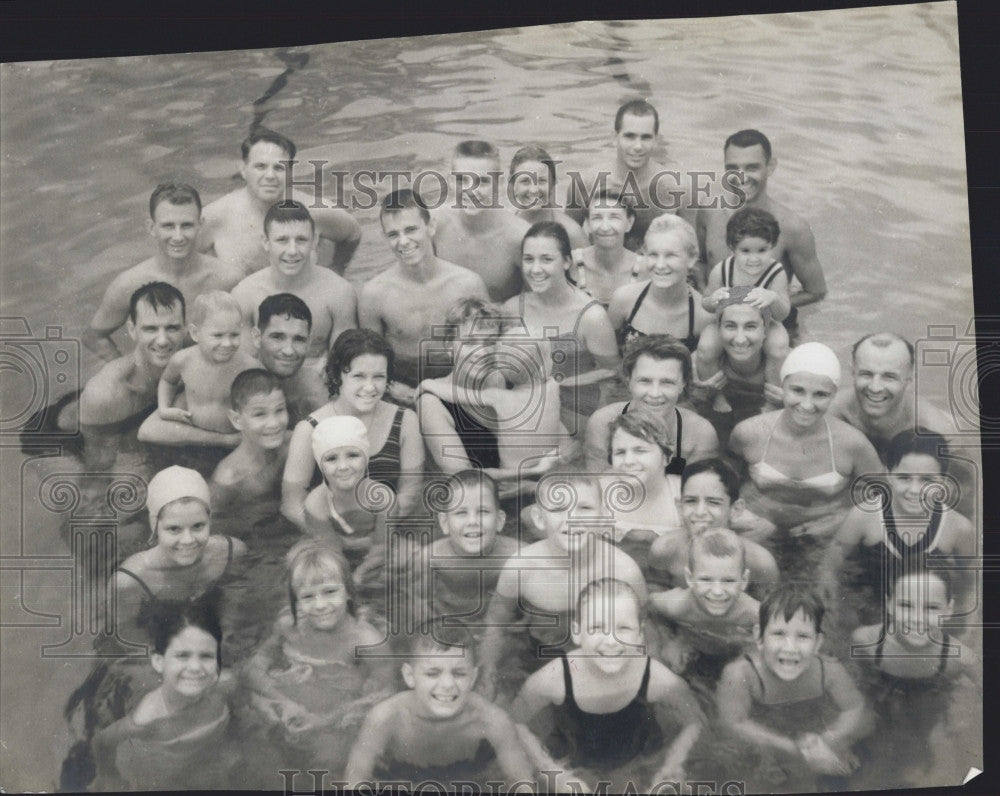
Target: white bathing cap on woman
[(340, 431), (173, 484), (814, 358)]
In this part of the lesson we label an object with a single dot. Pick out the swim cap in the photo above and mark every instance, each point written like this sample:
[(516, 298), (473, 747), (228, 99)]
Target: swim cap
[(814, 358), (341, 431), (173, 484), (737, 295)]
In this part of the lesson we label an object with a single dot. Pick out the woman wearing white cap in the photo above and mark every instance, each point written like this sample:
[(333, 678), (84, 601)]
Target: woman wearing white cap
[(800, 461)]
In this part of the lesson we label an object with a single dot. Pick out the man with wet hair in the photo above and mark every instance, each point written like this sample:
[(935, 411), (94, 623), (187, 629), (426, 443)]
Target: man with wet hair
[(749, 163), (233, 222), (174, 223)]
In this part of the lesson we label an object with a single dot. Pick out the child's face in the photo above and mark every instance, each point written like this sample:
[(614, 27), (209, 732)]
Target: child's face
[(343, 467), (289, 246), (609, 632), (656, 384), (542, 263), (787, 646), (182, 531), (918, 604), (704, 503), (322, 602), (753, 255), (637, 456), (559, 526), (473, 524), (716, 583), (807, 396), (914, 475), (410, 237), (189, 665), (531, 185), (263, 419), (668, 258), (218, 337), (441, 682), (364, 383), (608, 224)]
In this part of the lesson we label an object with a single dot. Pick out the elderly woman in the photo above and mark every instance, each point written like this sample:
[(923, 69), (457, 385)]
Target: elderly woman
[(801, 462)]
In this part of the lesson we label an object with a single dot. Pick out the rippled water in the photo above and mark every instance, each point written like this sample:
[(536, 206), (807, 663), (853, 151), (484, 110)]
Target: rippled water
[(863, 108)]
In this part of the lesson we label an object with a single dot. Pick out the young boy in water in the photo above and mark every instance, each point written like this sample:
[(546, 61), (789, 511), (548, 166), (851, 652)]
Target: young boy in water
[(207, 369), (609, 697), (545, 578), (457, 575), (751, 235), (438, 729), (259, 413), (710, 498), (788, 699)]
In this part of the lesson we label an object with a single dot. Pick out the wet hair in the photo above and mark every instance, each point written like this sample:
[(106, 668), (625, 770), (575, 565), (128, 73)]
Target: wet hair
[(177, 193), (285, 304), (613, 588), (437, 636), (727, 475), (882, 340), (349, 345), (166, 619), (718, 543), (942, 571), (471, 478), (400, 200), (259, 134), (483, 315), (752, 222), (553, 230), (786, 600), (482, 150), (668, 222), (748, 138), (533, 153), (156, 295), (659, 347), (644, 426), (557, 484), (637, 108), (287, 212), (216, 302), (249, 383), (919, 440), (610, 197), (315, 562)]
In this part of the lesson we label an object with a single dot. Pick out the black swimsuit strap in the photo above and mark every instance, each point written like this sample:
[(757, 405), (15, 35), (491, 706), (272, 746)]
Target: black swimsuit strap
[(760, 679), (312, 421), (567, 681), (638, 303), (229, 553), (878, 649), (822, 675), (680, 431), (644, 687), (138, 580), (920, 546), (690, 314), (727, 271), (943, 656), (625, 408), (770, 275)]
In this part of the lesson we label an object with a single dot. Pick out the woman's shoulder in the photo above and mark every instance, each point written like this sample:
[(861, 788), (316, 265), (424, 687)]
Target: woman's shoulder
[(746, 430)]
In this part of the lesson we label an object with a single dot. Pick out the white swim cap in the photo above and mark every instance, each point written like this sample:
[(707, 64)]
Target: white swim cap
[(341, 431), (814, 358), (173, 484)]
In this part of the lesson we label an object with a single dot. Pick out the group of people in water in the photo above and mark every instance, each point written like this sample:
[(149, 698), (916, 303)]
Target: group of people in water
[(570, 506)]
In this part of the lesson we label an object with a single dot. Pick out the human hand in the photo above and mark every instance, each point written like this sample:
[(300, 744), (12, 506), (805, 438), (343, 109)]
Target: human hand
[(774, 395), (402, 393), (820, 757), (718, 296), (761, 297), (823, 526), (176, 414)]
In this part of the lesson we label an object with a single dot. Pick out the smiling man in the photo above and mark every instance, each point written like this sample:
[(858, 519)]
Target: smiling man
[(174, 222), (232, 222), (405, 302)]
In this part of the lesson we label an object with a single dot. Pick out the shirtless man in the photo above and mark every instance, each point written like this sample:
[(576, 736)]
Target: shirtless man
[(232, 223), (473, 230), (652, 187), (405, 302), (289, 239), (749, 163), (174, 222)]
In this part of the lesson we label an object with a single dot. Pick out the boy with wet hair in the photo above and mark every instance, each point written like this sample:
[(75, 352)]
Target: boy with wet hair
[(438, 729)]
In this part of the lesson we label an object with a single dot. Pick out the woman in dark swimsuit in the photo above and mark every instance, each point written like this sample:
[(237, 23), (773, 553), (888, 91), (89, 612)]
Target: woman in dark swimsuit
[(665, 304), (358, 371)]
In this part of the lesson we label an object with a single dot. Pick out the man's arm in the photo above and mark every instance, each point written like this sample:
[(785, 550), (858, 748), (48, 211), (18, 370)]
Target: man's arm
[(337, 228), (173, 433), (100, 409), (110, 316), (343, 306), (800, 247), (370, 307)]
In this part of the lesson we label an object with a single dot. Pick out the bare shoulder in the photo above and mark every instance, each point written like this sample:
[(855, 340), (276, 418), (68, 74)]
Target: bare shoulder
[(250, 285), (844, 405), (866, 634), (225, 273), (671, 603), (663, 682), (218, 208), (934, 418), (109, 384), (791, 222), (333, 282), (515, 227)]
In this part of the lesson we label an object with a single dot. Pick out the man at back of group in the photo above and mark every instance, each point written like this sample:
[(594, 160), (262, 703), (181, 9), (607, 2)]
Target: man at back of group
[(473, 229), (174, 222), (289, 239), (749, 163), (652, 188), (405, 302), (232, 223)]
